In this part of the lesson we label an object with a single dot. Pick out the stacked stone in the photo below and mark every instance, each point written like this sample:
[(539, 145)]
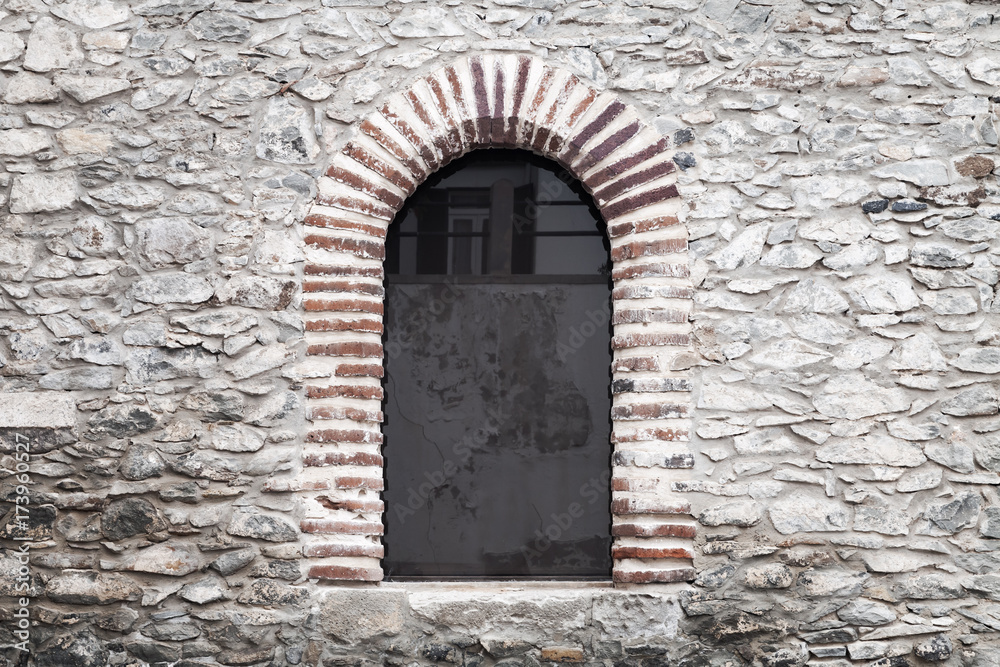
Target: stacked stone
[(192, 461)]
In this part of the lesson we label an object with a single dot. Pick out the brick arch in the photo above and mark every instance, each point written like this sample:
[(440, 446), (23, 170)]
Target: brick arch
[(478, 102)]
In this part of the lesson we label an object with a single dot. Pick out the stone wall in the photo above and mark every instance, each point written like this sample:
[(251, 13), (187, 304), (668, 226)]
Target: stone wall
[(837, 163)]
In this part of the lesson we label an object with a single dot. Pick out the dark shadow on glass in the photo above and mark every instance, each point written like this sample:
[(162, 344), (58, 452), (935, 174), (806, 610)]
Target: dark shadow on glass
[(498, 359)]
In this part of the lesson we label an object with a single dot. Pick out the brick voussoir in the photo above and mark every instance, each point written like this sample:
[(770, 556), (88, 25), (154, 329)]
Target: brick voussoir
[(362, 249), (356, 205), (343, 286), (423, 149), (640, 226), (653, 530), (345, 391), (352, 436), (334, 527), (354, 482), (643, 459), (406, 157), (598, 153), (435, 130), (638, 201), (356, 326), (651, 292), (377, 272), (635, 364), (630, 340), (344, 306), (641, 411), (606, 174), (346, 349), (621, 552), (362, 505), (657, 270), (559, 142), (294, 485), (324, 459), (323, 412), (634, 181), (345, 573), (655, 385), (330, 222), (366, 159), (329, 550), (354, 180), (604, 118), (650, 315), (455, 145), (650, 435), (360, 370)]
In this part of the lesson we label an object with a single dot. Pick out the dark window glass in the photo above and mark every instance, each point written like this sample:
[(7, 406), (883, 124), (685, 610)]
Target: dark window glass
[(498, 376)]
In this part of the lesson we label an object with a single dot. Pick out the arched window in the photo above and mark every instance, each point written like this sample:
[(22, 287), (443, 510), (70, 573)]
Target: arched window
[(498, 358)]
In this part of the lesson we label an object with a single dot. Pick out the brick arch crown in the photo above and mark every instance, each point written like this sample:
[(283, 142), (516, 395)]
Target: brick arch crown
[(486, 101)]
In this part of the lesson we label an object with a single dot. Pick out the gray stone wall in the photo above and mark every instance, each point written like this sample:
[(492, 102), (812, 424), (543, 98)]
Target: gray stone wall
[(838, 161)]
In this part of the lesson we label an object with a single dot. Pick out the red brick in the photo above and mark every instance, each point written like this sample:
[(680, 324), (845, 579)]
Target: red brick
[(345, 391), (651, 271), (636, 364), (634, 484), (361, 184), (652, 292), (650, 435), (326, 550), (362, 249), (357, 205), (543, 123), (330, 222), (359, 370), (354, 414), (651, 552), (353, 286), (648, 248), (653, 530), (557, 142), (653, 576), (351, 504), (425, 152), (592, 129), (360, 436), (321, 459), (638, 201), (630, 340), (371, 483), (533, 109), (640, 226), (343, 573), (353, 271), (649, 315), (343, 306), (438, 137), (680, 461), (606, 147), (650, 385), (333, 527), (417, 170), (623, 506), (360, 326), (465, 125), (639, 411), (633, 181), (348, 349), (596, 180), (380, 167)]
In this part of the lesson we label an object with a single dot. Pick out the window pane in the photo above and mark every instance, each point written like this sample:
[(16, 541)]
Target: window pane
[(497, 431)]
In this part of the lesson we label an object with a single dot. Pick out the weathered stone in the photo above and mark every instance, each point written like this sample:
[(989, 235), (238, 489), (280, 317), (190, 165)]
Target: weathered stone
[(262, 527), (427, 22), (40, 193), (219, 27), (935, 649), (135, 196), (204, 591), (175, 561), (91, 588), (25, 88), (130, 517), (978, 360), (866, 612), (852, 396), (80, 649), (287, 134), (77, 379), (166, 241), (141, 462), (19, 143), (269, 592), (980, 400), (801, 513), (124, 420), (233, 561), (172, 288), (938, 255), (955, 515), (85, 89), (355, 616), (51, 46), (881, 520), (258, 292), (743, 514), (770, 575), (922, 172)]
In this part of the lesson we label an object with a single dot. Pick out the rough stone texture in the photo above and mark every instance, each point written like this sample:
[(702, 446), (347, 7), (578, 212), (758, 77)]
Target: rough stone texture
[(837, 164)]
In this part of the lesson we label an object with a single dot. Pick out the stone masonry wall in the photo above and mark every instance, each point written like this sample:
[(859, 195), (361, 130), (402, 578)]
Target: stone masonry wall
[(837, 161)]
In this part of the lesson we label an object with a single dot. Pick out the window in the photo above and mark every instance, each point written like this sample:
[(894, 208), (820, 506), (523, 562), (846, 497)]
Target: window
[(497, 383)]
